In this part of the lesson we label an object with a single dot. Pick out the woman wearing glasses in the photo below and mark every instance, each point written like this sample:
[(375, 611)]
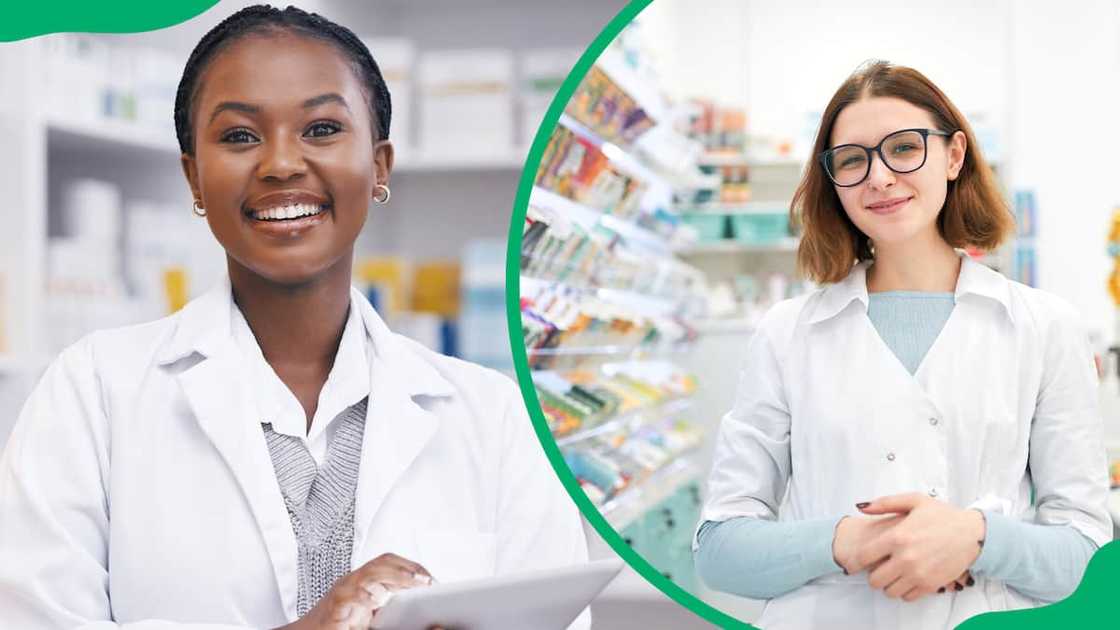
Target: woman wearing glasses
[(929, 427)]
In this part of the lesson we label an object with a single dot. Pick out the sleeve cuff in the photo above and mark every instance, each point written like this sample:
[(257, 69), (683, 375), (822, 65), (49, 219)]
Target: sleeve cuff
[(819, 555), (997, 528)]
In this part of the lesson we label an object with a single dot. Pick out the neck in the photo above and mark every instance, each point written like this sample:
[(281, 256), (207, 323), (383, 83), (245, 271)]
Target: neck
[(930, 265), (295, 324)]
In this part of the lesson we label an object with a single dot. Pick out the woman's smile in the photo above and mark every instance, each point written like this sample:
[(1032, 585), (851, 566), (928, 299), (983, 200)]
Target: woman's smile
[(287, 214), (888, 206)]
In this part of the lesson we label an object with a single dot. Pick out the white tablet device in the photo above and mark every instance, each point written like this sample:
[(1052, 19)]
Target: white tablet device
[(540, 600)]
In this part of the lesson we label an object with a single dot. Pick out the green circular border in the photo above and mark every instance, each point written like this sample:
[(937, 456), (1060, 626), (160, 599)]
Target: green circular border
[(1087, 606)]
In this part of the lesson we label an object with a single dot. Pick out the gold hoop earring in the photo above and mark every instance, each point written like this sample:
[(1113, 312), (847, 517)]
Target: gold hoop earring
[(198, 210), (385, 199)]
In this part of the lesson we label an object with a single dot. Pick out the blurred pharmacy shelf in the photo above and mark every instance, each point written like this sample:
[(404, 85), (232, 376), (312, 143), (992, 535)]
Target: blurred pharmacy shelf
[(628, 421), (408, 162), (785, 245), (590, 218), (619, 411), (631, 504), (728, 325), (627, 77), (119, 138), (639, 302)]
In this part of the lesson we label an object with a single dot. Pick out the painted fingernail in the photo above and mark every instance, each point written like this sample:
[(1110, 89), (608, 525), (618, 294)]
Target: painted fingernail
[(941, 590), (971, 581), (959, 587), (863, 505)]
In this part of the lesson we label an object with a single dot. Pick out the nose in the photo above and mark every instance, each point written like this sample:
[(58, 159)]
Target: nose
[(282, 159), (880, 176)]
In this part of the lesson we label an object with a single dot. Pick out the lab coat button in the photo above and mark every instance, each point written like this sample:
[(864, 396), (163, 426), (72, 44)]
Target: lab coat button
[(933, 422), (890, 457), (933, 492)]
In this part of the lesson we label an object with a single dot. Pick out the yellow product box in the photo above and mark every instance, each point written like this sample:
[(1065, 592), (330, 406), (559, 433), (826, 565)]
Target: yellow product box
[(389, 274), (436, 288)]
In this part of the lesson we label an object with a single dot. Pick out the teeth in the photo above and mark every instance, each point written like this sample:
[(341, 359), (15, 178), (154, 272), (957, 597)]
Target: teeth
[(287, 212)]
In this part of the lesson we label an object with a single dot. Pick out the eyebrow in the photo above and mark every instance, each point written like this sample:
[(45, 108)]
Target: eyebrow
[(330, 97), (247, 108), (234, 106)]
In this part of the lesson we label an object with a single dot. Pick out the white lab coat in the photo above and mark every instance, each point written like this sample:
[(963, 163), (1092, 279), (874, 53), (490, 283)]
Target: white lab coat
[(137, 487), (1006, 395)]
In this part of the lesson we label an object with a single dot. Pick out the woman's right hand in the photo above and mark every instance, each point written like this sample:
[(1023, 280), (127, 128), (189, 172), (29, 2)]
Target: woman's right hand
[(356, 596), (852, 532)]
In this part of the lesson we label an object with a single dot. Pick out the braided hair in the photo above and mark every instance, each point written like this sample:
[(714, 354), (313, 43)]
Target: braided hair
[(263, 18)]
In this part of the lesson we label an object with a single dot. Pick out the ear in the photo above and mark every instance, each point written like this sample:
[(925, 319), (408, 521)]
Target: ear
[(383, 155), (958, 147), (190, 171)]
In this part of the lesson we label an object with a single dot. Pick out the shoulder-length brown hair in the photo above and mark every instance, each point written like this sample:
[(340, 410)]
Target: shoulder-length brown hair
[(975, 212)]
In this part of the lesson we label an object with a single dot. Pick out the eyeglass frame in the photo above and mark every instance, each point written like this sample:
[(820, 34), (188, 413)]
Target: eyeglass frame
[(925, 133)]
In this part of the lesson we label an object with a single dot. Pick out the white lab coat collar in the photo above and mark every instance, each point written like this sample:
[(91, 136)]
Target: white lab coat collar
[(398, 427), (204, 327), (974, 279)]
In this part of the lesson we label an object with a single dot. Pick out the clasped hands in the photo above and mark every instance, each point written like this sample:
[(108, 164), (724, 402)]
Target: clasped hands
[(911, 545)]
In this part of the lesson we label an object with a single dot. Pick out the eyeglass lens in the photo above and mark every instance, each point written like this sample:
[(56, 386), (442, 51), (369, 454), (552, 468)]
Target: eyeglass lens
[(902, 152)]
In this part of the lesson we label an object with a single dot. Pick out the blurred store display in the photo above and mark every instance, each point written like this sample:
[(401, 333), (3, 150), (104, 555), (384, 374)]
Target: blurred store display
[(607, 308)]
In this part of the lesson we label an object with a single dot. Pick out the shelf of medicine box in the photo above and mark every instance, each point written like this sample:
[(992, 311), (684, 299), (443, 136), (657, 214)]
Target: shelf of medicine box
[(786, 245), (643, 91), (618, 156), (628, 421), (635, 501), (112, 139), (589, 218), (725, 326), (572, 357), (749, 207), (577, 280), (661, 156), (587, 357), (640, 303), (743, 159), (411, 160)]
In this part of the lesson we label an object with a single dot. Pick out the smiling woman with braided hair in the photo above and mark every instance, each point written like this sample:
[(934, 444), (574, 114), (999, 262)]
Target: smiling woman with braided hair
[(271, 455)]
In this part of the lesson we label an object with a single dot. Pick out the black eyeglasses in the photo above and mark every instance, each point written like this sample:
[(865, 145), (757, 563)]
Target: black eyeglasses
[(903, 151)]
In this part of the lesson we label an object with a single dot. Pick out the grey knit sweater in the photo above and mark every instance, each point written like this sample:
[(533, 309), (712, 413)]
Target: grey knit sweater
[(320, 501)]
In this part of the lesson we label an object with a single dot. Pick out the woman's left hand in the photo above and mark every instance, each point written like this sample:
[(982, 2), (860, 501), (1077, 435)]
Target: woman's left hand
[(934, 544)]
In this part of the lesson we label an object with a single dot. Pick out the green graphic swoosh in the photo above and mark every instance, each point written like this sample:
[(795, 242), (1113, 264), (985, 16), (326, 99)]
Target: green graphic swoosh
[(20, 20)]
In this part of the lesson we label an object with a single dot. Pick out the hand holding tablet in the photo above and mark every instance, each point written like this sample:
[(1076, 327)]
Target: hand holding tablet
[(549, 599)]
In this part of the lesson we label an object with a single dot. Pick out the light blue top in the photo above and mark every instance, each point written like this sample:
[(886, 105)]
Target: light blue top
[(763, 559)]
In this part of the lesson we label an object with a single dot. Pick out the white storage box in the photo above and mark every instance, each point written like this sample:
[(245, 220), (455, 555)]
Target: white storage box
[(466, 102)]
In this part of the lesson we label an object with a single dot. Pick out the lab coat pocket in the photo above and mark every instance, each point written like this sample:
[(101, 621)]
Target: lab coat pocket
[(454, 555)]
